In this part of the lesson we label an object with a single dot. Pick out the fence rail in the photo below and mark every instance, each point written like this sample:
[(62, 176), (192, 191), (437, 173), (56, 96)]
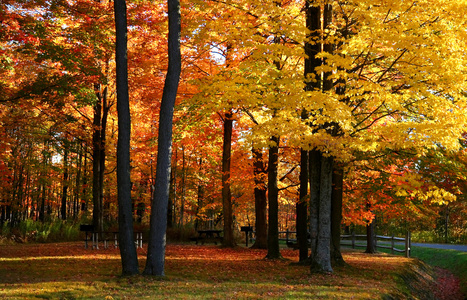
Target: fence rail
[(359, 240)]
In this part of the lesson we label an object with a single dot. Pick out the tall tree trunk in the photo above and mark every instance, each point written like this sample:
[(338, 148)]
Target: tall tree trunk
[(313, 82), (127, 247), (322, 258), (336, 213), (315, 178), (261, 204), (273, 196), (158, 225), (96, 165), (228, 240), (301, 208), (65, 180)]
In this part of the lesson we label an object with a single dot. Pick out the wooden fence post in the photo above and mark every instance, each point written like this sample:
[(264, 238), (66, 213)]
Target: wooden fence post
[(392, 244), (407, 244), (353, 239)]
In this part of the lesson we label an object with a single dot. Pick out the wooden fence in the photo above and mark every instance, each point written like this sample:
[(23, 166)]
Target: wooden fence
[(353, 240)]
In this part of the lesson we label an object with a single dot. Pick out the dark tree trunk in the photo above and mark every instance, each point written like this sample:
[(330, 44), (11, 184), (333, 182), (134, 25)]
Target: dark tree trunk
[(96, 165), (315, 175), (261, 202), (200, 203), (183, 186), (370, 234), (228, 240), (273, 195), (65, 180), (127, 247), (336, 214), (155, 263), (313, 82), (301, 207)]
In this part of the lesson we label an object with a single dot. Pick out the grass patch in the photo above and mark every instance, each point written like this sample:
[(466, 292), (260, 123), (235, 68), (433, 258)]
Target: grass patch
[(454, 261), (68, 271)]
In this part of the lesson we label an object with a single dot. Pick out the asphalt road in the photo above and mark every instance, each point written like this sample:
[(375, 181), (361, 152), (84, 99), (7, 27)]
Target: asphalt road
[(442, 246)]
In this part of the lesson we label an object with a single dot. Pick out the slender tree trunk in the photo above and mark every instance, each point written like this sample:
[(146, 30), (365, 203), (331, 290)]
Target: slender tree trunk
[(273, 196), (183, 184), (127, 247), (229, 240), (261, 225), (155, 262), (200, 203), (96, 165), (173, 195), (65, 180)]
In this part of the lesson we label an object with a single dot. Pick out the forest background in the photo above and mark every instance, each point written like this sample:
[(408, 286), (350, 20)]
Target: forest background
[(393, 118)]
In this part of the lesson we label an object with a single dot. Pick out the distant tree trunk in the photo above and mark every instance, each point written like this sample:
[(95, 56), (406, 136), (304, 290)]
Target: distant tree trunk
[(261, 202), (370, 234), (173, 195), (301, 208), (101, 109), (127, 246), (273, 195), (336, 213), (158, 225), (65, 180), (228, 240), (183, 186), (200, 195)]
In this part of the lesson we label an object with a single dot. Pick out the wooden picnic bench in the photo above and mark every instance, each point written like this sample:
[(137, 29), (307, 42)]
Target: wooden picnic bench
[(213, 235), (106, 237)]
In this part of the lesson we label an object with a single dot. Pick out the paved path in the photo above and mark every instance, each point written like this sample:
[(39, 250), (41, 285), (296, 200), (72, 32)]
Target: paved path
[(442, 246)]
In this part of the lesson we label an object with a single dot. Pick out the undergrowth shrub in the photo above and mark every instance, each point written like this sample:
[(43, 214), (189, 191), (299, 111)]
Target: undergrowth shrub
[(35, 231)]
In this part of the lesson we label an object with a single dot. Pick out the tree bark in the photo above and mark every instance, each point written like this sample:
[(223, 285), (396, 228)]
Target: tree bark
[(315, 175), (96, 165), (336, 214), (273, 195), (155, 263), (228, 240), (322, 259), (127, 247), (370, 234), (301, 208), (261, 225)]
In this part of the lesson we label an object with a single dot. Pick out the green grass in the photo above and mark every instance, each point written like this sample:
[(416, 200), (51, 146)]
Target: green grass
[(454, 261)]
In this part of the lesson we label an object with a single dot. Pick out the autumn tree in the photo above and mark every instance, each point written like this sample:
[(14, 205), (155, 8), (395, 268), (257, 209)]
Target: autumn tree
[(125, 217), (158, 225)]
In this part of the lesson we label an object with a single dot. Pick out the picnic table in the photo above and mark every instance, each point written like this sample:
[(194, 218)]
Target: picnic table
[(208, 235), (106, 237)]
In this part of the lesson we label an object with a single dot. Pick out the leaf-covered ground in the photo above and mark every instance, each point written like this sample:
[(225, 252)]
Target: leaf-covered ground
[(68, 271)]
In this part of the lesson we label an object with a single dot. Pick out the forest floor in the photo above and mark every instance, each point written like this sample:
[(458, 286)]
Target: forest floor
[(68, 271)]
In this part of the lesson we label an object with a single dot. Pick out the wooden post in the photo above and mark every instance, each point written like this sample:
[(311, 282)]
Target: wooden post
[(287, 236), (392, 244), (407, 244), (353, 239)]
